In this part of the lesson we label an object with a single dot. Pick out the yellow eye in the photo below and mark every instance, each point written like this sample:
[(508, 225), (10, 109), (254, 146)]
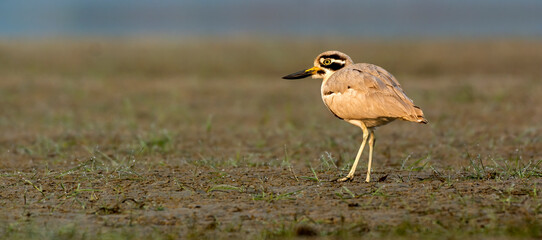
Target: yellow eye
[(326, 61)]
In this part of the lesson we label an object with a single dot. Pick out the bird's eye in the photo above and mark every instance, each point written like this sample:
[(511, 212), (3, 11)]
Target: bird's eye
[(326, 61)]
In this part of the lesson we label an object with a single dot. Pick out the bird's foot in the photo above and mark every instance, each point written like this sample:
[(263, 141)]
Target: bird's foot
[(345, 179)]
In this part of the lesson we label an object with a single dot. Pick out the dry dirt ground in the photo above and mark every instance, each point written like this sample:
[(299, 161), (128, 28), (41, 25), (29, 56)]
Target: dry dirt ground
[(161, 139)]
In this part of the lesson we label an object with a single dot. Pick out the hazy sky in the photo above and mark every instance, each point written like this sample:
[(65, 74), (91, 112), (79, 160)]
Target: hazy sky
[(387, 18)]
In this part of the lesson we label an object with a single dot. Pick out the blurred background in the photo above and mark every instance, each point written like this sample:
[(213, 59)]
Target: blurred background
[(343, 18), (189, 81)]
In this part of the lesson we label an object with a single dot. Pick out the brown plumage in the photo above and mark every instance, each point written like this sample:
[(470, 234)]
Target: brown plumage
[(368, 93), (362, 94)]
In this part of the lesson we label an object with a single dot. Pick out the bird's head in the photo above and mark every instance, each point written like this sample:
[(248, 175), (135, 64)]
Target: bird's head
[(324, 65)]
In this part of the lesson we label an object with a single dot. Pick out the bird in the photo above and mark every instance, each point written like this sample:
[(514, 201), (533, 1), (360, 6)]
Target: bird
[(361, 94)]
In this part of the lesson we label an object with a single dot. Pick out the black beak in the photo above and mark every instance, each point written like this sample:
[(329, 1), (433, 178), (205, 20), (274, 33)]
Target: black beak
[(302, 74)]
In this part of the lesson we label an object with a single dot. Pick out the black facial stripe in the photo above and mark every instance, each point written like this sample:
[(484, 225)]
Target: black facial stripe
[(334, 56), (334, 66)]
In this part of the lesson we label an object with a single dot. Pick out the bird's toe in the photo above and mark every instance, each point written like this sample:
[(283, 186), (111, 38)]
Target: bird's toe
[(345, 179)]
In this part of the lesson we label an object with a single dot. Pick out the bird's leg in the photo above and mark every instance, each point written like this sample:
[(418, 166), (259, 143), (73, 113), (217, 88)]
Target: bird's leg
[(371, 146), (350, 175)]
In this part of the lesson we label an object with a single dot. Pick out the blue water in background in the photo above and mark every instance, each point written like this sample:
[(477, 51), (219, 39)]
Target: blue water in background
[(388, 18)]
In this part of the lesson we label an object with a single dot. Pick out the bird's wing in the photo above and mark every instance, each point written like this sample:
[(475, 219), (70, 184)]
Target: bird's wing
[(366, 91)]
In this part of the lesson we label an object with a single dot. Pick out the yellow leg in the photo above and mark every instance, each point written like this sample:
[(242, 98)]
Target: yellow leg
[(350, 175), (371, 146)]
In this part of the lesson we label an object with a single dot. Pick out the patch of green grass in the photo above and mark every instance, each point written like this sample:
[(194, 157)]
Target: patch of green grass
[(417, 165), (161, 142), (225, 187), (514, 167), (271, 196), (313, 178)]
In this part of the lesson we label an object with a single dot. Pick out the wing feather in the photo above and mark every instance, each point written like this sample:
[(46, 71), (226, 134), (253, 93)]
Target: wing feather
[(365, 92)]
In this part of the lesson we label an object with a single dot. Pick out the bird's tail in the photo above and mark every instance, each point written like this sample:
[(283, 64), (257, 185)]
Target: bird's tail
[(419, 115)]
